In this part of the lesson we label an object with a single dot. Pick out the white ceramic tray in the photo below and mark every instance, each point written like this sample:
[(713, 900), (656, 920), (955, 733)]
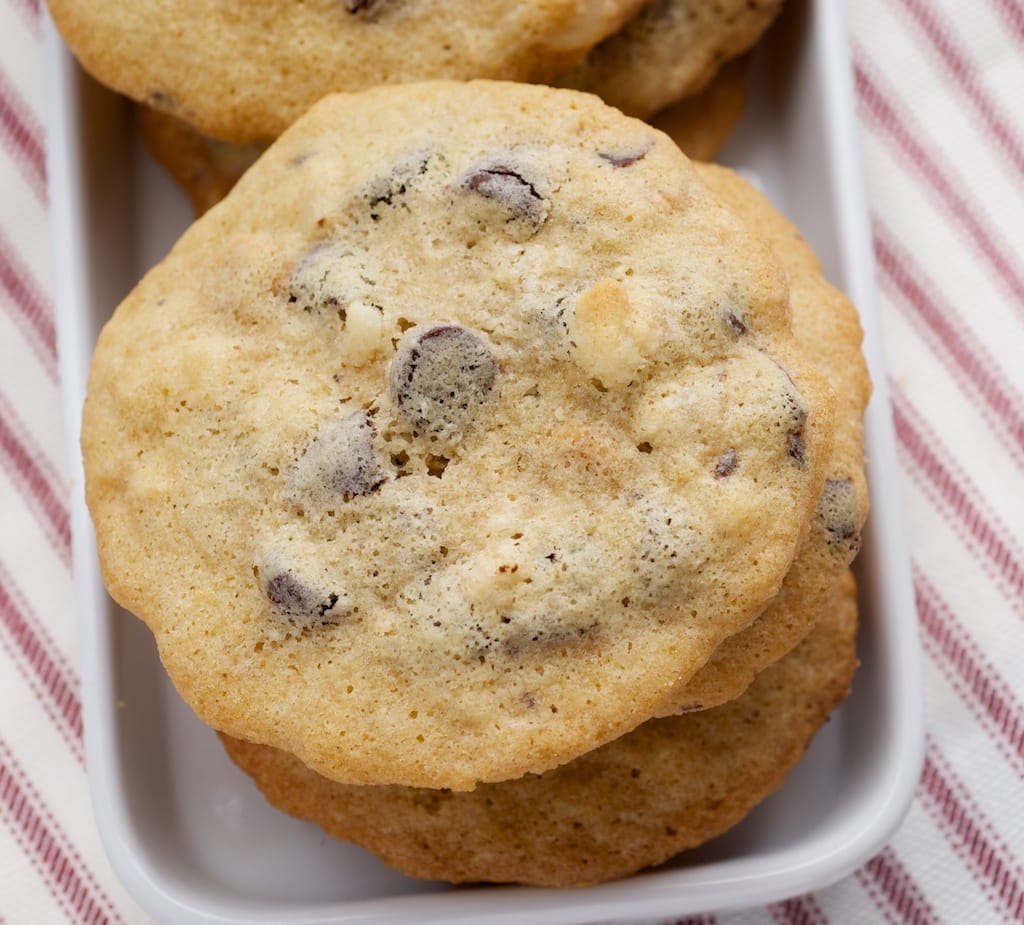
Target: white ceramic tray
[(191, 837)]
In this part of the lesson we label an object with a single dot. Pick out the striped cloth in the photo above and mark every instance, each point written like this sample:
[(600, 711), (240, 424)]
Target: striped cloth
[(940, 85)]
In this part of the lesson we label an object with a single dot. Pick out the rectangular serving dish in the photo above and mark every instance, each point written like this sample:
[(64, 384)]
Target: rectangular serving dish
[(189, 834)]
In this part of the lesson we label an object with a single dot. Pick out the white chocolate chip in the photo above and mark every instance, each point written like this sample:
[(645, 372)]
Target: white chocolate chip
[(608, 338), (364, 333)]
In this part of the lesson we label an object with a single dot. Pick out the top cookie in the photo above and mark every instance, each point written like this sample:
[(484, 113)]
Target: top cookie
[(244, 71), (439, 452)]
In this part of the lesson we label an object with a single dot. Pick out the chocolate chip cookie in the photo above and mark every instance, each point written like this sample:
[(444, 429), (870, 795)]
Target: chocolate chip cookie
[(243, 71), (442, 451)]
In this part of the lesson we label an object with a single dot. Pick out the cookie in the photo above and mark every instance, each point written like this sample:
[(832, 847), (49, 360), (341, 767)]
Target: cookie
[(701, 124), (670, 50), (828, 327), (669, 785), (203, 167), (440, 452), (206, 168), (243, 71)]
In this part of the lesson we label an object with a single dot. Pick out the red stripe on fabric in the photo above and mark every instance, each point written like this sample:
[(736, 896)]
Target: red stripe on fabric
[(894, 891), (54, 682), (951, 488), (34, 315), (971, 835), (22, 463), (8, 798), (48, 846), (973, 366), (695, 920), (941, 35), (46, 468), (29, 11), (23, 136), (907, 135), (1013, 13), (42, 696), (801, 910), (978, 682)]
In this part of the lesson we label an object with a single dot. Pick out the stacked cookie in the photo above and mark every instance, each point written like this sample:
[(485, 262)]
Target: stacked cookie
[(489, 476), (471, 450), (222, 79), (680, 63)]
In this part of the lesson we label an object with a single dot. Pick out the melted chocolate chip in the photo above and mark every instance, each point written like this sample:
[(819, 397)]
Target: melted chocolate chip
[(735, 323), (726, 464), (795, 411), (522, 641), (384, 192), (356, 6), (358, 469), (288, 594), (441, 378), (626, 158), (511, 187), (343, 461), (389, 189), (295, 599), (313, 286), (795, 446), (839, 510)]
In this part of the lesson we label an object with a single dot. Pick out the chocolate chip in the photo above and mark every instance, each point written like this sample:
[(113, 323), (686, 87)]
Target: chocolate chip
[(795, 413), (343, 461), (795, 446), (726, 464), (735, 323), (626, 158), (295, 599), (521, 640), (356, 6), (440, 378), (383, 192), (316, 285), (509, 186), (358, 469), (389, 189), (840, 514), (288, 594)]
